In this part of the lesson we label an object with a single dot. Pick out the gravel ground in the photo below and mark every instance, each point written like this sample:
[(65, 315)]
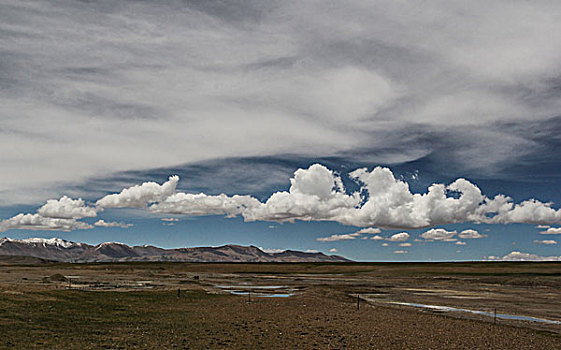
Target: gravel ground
[(318, 319)]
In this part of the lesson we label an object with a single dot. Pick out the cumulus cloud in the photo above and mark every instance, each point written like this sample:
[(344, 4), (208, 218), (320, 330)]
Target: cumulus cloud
[(38, 222), (140, 195), (460, 243), (202, 204), (315, 193), (405, 244), (318, 194), (103, 223), (400, 252), (336, 237), (333, 250), (370, 230), (398, 237), (520, 256), (385, 244), (439, 234), (55, 215), (170, 219), (545, 241), (470, 234), (377, 238), (66, 208), (552, 231)]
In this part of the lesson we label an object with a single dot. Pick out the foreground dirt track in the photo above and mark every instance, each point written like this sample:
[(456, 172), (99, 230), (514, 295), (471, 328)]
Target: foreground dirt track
[(36, 313)]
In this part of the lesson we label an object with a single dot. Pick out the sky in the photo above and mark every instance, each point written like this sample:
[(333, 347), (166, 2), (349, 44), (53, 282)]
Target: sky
[(376, 130)]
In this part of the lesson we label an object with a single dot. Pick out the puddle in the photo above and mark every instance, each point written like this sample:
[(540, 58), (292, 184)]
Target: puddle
[(258, 291), (477, 312), (249, 287), (262, 295)]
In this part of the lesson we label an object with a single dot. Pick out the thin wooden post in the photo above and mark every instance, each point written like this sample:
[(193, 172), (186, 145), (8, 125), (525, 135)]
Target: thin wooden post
[(357, 302)]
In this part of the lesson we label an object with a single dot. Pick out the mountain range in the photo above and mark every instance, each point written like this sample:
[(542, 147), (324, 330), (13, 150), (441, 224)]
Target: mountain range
[(56, 249)]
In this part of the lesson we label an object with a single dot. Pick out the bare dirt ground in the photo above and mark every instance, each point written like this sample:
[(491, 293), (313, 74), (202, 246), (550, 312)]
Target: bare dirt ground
[(135, 306)]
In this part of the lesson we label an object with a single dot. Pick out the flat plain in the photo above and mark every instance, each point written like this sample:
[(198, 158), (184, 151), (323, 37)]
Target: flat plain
[(280, 305)]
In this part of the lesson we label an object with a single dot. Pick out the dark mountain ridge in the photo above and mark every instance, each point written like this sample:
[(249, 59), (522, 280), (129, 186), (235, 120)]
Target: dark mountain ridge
[(56, 249)]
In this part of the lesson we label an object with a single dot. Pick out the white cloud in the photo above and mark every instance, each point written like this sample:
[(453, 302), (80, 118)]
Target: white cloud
[(552, 231), (66, 208), (140, 195), (202, 204), (400, 251), (439, 234), (272, 250), (385, 244), (103, 223), (377, 238), (519, 256), (370, 230), (336, 237), (405, 244), (315, 193), (170, 219), (399, 237), (545, 241), (55, 215), (333, 250), (38, 222), (470, 234), (311, 251), (543, 226), (460, 243)]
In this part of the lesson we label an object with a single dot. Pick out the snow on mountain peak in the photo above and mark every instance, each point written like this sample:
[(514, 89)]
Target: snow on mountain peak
[(44, 241)]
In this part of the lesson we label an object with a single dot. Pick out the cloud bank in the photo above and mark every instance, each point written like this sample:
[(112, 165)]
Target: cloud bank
[(318, 194)]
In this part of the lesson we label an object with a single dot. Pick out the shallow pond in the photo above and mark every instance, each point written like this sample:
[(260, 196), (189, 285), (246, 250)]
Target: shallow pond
[(478, 312), (258, 291)]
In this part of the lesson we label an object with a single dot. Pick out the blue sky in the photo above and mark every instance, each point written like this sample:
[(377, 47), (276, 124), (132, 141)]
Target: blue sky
[(238, 98)]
